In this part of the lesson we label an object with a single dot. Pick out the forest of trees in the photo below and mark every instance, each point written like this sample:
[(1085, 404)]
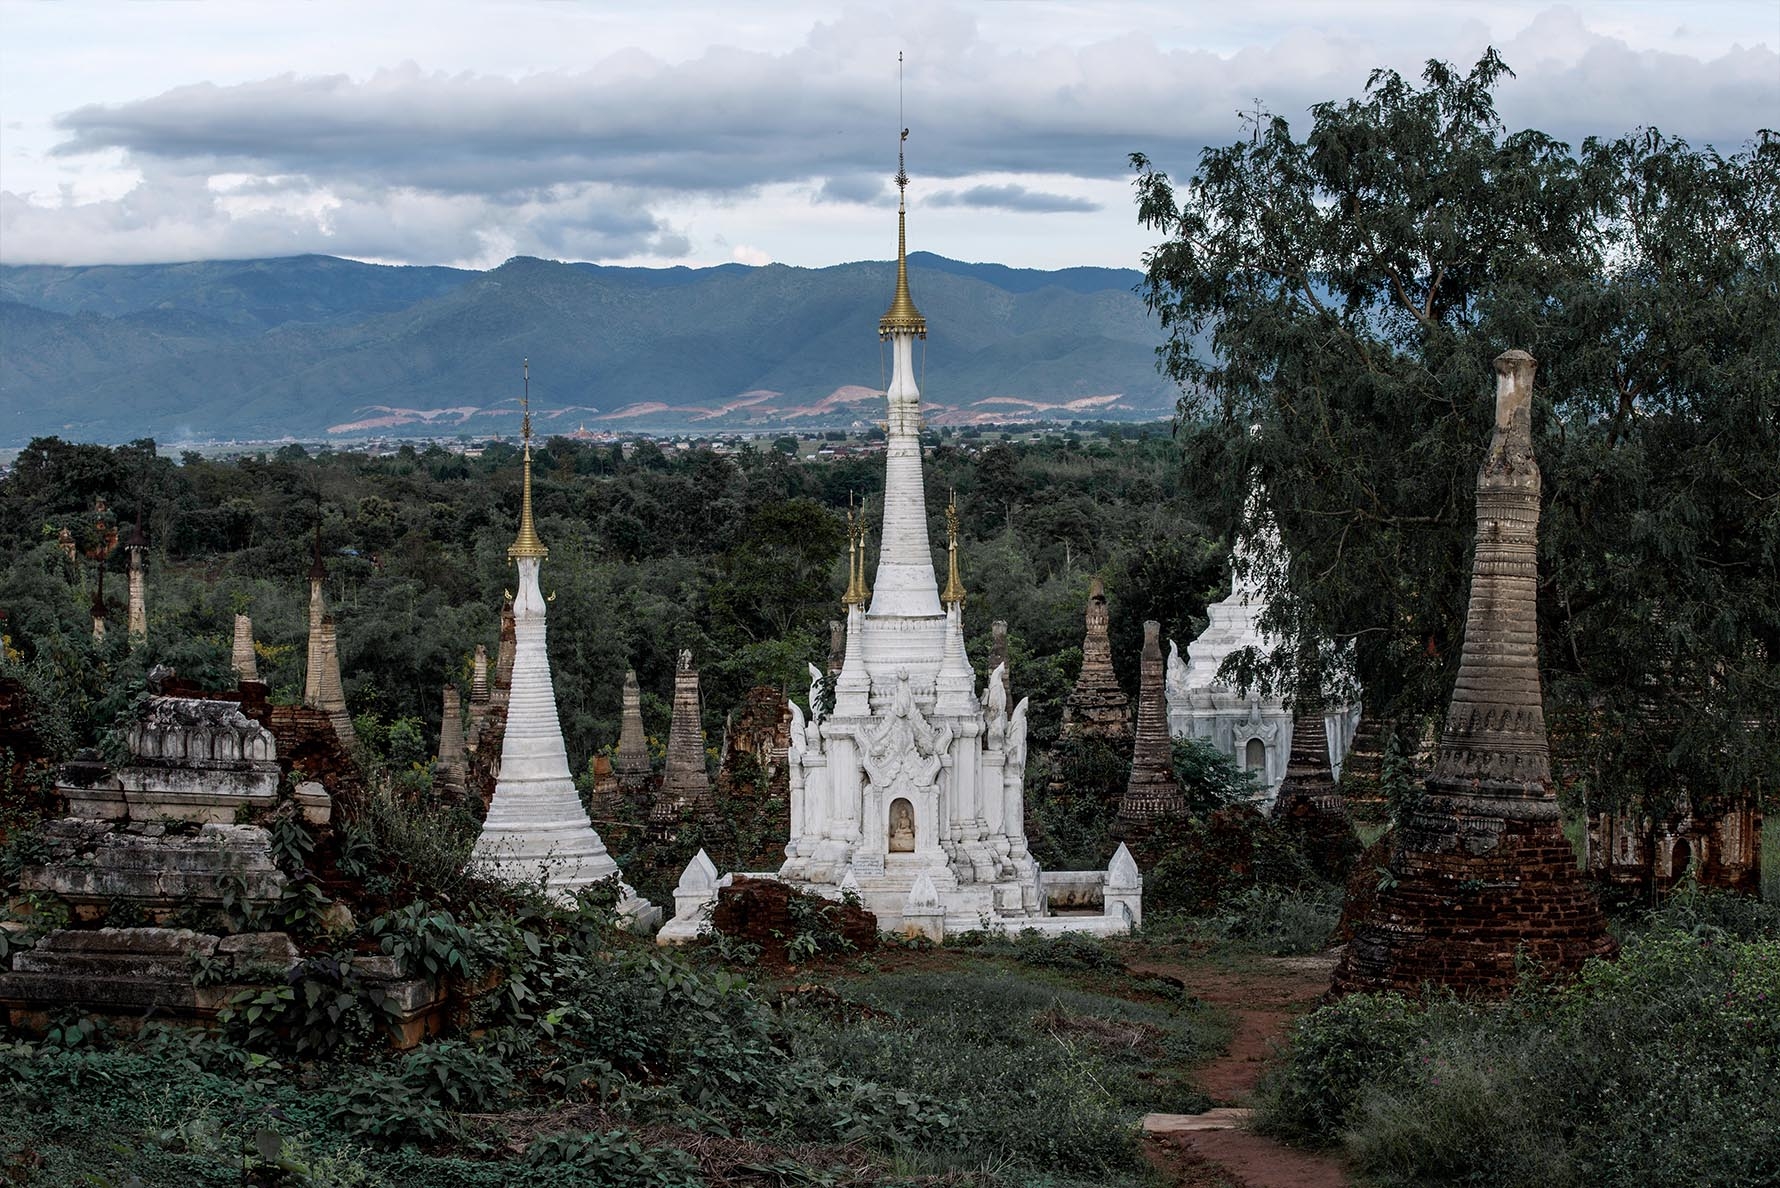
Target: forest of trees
[(740, 558)]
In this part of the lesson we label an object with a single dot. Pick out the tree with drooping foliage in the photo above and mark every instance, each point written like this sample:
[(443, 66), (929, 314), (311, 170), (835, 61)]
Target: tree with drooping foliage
[(1332, 305)]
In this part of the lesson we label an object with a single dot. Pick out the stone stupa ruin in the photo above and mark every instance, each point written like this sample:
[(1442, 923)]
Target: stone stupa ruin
[(1485, 880)]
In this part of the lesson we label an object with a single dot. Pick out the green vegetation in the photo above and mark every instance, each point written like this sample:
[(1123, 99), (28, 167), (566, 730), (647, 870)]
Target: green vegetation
[(1342, 290), (1023, 1063), (1662, 1067), (741, 559)]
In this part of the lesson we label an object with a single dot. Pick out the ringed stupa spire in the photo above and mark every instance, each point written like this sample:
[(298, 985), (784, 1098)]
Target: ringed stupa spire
[(905, 585), (1483, 878), (902, 317), (536, 828), (526, 544)]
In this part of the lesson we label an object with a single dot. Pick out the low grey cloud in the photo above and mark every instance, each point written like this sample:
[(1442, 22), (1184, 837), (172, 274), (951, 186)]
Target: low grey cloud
[(862, 188), (429, 166), (733, 119), (1013, 198)]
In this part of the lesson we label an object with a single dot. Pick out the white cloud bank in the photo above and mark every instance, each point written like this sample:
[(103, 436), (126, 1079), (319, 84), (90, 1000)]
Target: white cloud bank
[(655, 157)]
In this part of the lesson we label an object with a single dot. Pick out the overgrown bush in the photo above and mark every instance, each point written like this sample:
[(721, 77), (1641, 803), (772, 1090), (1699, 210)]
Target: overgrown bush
[(1279, 921), (1658, 1068)]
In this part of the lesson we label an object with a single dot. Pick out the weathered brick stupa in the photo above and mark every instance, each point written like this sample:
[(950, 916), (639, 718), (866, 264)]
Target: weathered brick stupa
[(1484, 874), (241, 656), (685, 784), (1097, 707), (536, 828), (631, 763), (1309, 803), (450, 774), (1152, 792), (322, 689), (137, 548)]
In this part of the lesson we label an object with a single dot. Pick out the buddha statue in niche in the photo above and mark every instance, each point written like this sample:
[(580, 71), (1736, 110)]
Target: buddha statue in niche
[(902, 827)]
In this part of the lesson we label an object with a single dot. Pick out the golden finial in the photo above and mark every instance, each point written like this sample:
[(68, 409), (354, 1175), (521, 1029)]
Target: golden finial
[(902, 317), (526, 544), (954, 591), (856, 594)]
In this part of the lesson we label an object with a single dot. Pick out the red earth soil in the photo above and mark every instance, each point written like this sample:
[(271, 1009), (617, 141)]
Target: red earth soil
[(1261, 1002)]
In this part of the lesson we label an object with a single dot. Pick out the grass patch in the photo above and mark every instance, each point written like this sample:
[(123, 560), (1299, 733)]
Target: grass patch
[(1055, 1076), (1273, 921)]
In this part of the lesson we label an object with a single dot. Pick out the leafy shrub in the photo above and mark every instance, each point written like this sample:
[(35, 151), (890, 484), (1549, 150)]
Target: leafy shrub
[(430, 844), (1210, 779), (425, 942), (1335, 1054), (323, 1010), (1656, 1068), (1282, 922), (614, 1158)]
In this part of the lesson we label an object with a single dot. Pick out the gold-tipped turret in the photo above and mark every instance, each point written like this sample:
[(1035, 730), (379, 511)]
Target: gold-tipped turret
[(902, 317), (954, 591), (858, 593), (526, 544)]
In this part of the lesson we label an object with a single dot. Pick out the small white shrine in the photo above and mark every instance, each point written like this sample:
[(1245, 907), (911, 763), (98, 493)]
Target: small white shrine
[(1254, 730), (910, 792), (536, 829)]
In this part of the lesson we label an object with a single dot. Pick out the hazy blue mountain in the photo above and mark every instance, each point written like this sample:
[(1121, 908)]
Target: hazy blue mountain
[(312, 345)]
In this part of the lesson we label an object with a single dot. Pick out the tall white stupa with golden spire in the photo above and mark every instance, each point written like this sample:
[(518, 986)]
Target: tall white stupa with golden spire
[(911, 792), (536, 829)]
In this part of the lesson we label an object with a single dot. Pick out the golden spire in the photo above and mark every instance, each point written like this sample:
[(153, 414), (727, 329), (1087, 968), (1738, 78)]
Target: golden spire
[(902, 317), (954, 591), (857, 594), (526, 544)]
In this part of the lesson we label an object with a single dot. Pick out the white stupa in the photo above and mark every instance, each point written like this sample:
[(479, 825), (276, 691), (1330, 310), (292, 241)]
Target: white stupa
[(1254, 730), (537, 829), (912, 790)]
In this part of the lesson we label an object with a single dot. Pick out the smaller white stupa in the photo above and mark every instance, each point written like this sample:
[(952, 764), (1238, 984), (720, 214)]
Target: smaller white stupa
[(1254, 730), (536, 829)]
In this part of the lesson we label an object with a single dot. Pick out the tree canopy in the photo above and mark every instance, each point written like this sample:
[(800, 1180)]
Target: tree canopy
[(1333, 304)]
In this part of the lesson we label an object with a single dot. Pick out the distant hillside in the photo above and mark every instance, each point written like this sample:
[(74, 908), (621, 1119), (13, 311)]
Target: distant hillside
[(312, 344)]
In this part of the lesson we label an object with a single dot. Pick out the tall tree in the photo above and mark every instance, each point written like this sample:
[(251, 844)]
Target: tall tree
[(1344, 294)]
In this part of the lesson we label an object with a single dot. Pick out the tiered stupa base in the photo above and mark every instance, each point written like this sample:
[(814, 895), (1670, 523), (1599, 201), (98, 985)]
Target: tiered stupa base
[(532, 837), (1473, 916)]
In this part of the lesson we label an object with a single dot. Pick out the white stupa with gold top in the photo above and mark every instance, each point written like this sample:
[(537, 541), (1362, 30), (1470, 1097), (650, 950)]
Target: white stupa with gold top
[(911, 791), (536, 829)]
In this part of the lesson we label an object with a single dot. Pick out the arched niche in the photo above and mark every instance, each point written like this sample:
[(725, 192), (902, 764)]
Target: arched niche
[(901, 826)]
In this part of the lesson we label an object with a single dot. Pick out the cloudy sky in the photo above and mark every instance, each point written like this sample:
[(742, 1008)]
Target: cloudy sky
[(696, 133)]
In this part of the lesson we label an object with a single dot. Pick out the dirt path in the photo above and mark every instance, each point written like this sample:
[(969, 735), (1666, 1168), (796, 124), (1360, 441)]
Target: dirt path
[(1212, 1150)]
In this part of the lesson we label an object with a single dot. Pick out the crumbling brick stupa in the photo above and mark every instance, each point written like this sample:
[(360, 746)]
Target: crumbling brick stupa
[(1151, 793), (1309, 803), (1484, 877), (685, 784), (1097, 707)]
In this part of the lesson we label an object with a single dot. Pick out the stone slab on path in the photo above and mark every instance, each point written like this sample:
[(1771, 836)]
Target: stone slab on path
[(1219, 1119)]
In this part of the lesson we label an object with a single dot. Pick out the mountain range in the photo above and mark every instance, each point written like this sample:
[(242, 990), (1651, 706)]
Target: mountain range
[(320, 347)]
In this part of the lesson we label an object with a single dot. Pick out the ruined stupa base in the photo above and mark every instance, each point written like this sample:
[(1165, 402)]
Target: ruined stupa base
[(1480, 900), (914, 898), (561, 859), (94, 863), (131, 976)]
